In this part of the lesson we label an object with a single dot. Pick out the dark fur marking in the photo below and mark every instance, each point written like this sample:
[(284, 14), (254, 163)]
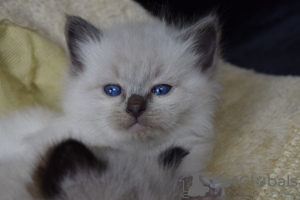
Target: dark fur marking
[(206, 47), (205, 34), (172, 157), (62, 160), (78, 30)]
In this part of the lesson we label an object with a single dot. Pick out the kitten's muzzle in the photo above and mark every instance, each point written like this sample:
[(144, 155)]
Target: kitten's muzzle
[(136, 105)]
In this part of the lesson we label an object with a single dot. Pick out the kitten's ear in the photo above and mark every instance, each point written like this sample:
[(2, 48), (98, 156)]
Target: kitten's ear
[(205, 37), (64, 161), (77, 32), (172, 157)]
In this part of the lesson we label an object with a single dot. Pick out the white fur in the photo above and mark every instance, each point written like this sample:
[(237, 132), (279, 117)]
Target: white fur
[(129, 175), (137, 57), (16, 155)]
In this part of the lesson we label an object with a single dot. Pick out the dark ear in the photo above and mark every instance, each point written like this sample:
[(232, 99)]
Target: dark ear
[(205, 37), (78, 31), (64, 160), (172, 157)]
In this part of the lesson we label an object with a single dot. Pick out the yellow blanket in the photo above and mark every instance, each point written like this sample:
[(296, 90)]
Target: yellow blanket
[(257, 124), (30, 69)]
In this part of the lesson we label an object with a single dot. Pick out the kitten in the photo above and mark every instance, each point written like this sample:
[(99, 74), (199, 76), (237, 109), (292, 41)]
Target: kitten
[(144, 84), (139, 85)]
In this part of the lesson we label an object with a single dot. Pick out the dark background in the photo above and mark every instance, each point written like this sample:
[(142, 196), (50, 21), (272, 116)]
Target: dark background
[(261, 35)]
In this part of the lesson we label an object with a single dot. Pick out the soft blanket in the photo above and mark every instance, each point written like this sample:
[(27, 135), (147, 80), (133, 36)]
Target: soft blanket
[(257, 124)]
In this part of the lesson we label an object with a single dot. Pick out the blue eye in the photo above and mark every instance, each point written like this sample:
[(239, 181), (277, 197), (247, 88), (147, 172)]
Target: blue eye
[(161, 89), (112, 90)]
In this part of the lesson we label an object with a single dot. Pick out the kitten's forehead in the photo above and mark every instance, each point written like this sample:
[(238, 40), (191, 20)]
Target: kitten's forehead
[(144, 54)]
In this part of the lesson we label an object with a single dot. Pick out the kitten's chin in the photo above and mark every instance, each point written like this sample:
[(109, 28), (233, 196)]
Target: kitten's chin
[(137, 127)]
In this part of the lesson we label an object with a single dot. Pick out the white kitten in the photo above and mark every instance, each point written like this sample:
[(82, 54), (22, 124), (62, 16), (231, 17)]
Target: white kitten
[(139, 85), (144, 84)]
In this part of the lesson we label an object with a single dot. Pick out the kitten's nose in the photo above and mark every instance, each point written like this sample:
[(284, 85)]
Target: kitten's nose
[(136, 105)]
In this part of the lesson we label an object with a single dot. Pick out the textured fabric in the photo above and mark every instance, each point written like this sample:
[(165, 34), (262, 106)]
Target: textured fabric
[(258, 115), (257, 124), (30, 69), (286, 165)]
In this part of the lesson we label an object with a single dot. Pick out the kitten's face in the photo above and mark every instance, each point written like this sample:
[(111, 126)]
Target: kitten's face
[(141, 79)]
